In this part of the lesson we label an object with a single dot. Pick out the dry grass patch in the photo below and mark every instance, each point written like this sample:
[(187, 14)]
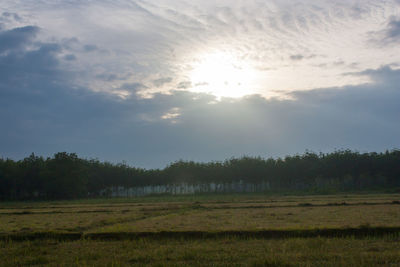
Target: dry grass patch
[(73, 220), (268, 218), (223, 212)]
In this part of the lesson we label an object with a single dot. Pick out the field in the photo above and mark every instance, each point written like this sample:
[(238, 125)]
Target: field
[(212, 230)]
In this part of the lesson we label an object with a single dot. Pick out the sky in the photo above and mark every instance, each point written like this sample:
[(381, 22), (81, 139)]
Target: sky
[(152, 82)]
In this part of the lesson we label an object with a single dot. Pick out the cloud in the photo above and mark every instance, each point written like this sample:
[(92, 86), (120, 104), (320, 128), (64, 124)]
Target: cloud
[(167, 38), (385, 75), (161, 81), (390, 34), (184, 85), (70, 57), (110, 77), (17, 38), (90, 48), (133, 87), (296, 57), (60, 92), (45, 111), (9, 17), (393, 31)]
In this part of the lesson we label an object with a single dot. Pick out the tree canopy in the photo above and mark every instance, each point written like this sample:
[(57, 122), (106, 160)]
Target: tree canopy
[(66, 176)]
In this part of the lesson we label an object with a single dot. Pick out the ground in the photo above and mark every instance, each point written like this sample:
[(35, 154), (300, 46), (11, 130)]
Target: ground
[(258, 229)]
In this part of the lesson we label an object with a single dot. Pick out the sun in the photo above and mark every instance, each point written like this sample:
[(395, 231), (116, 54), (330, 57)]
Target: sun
[(223, 75)]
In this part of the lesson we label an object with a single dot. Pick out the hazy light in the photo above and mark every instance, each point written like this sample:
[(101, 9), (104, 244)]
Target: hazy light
[(172, 115), (222, 75)]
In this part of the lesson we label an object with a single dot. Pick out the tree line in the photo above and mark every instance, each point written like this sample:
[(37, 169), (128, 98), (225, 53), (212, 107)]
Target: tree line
[(66, 176)]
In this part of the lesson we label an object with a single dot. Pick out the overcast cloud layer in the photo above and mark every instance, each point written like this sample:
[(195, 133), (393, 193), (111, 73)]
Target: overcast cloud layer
[(112, 79)]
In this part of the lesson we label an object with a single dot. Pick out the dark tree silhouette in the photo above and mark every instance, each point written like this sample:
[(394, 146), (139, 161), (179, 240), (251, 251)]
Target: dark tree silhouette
[(65, 176)]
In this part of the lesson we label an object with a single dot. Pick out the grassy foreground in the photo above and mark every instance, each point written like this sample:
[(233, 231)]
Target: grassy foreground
[(225, 252), (253, 230)]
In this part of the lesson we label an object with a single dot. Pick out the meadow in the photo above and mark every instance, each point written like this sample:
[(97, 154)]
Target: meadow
[(232, 229)]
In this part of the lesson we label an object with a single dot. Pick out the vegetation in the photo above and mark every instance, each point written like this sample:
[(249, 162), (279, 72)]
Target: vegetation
[(204, 230), (65, 176), (221, 252), (191, 213)]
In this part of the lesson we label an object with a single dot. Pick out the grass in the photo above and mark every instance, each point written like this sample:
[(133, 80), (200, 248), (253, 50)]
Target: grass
[(209, 219), (255, 230), (207, 197), (220, 252), (243, 214)]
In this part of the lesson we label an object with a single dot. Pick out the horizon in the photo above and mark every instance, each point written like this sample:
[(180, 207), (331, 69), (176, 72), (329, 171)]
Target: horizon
[(124, 162)]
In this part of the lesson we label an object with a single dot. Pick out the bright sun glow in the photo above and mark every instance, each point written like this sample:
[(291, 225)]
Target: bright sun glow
[(222, 75)]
